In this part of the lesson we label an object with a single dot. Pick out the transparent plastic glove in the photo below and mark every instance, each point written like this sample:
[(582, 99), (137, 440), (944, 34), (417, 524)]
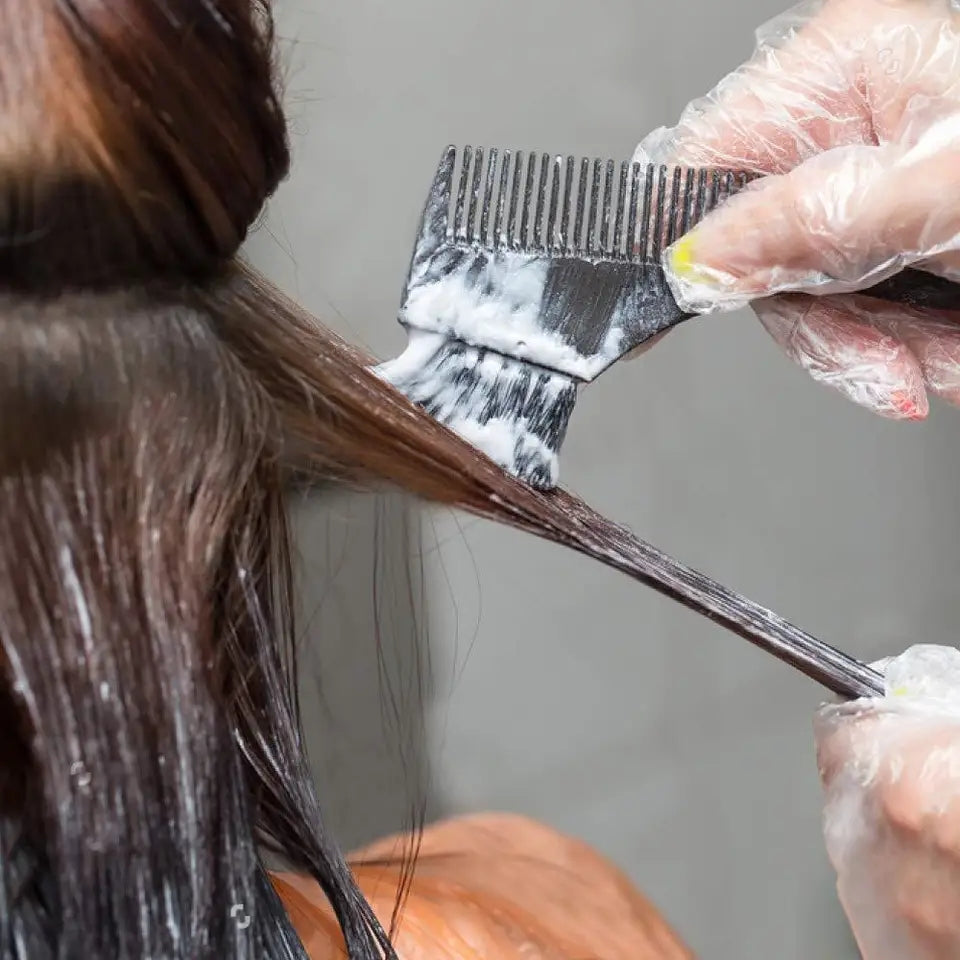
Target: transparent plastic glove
[(853, 109), (891, 771)]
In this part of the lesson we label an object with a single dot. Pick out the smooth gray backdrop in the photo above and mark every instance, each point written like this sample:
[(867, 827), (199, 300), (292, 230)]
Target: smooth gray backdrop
[(550, 685)]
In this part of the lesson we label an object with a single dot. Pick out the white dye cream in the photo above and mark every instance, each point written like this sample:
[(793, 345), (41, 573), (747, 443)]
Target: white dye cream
[(421, 348), (505, 319), (506, 442), (427, 372)]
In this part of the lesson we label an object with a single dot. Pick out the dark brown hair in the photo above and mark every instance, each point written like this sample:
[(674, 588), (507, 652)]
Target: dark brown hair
[(157, 398)]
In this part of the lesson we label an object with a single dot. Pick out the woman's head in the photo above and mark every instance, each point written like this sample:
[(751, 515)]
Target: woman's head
[(150, 742), (157, 397)]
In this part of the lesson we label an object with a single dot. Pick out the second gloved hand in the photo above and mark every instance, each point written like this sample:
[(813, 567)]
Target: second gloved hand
[(852, 109), (891, 771)]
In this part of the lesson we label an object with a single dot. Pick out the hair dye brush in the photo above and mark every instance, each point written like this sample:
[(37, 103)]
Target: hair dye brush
[(538, 273), (532, 278)]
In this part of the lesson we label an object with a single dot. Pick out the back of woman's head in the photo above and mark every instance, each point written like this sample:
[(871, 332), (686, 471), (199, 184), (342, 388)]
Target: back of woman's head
[(150, 743), (155, 398)]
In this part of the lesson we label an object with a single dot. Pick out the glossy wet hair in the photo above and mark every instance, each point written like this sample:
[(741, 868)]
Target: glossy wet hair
[(157, 397)]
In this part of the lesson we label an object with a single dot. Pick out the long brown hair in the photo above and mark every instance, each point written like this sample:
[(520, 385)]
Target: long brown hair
[(157, 396)]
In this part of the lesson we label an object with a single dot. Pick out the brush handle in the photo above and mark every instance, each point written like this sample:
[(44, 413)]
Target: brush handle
[(678, 206), (652, 309), (917, 288)]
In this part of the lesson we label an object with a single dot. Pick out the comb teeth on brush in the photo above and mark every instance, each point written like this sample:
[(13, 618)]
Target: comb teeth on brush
[(535, 275)]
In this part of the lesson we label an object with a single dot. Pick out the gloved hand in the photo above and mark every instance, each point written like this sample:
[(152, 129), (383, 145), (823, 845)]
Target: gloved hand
[(854, 107), (891, 770)]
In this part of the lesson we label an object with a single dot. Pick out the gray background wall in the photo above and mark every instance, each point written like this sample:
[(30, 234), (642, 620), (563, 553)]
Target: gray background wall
[(551, 686)]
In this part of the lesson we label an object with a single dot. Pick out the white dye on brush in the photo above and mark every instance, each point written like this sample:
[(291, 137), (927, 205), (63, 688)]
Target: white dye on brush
[(496, 303), (507, 441), (481, 360), (511, 410)]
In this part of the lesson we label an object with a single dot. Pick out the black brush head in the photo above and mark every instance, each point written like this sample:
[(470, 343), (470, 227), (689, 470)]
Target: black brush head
[(531, 275), (515, 412)]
